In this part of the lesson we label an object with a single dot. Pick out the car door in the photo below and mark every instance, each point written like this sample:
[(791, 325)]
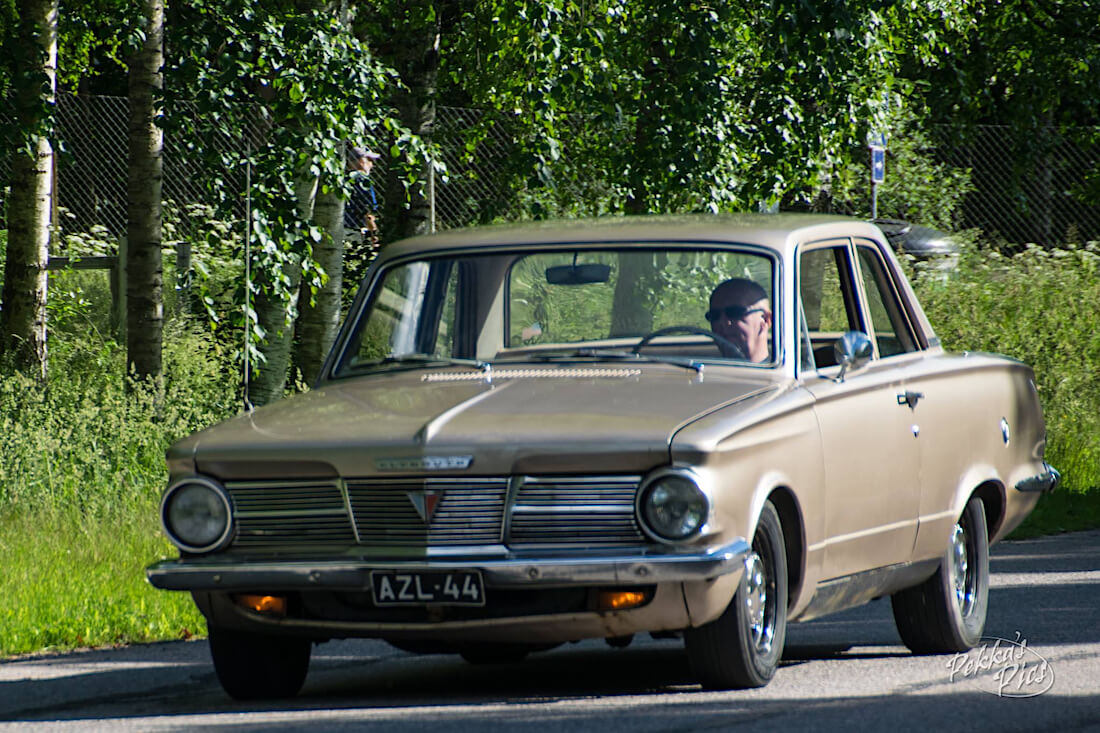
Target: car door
[(871, 478), (935, 388)]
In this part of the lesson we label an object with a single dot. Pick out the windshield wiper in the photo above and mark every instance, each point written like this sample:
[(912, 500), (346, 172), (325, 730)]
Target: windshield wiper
[(414, 360), (611, 355)]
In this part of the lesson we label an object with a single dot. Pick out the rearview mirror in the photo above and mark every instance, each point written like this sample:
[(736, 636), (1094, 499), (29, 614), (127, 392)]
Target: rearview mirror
[(578, 274)]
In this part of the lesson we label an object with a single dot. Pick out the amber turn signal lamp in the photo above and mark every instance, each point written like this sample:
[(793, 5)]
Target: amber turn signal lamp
[(270, 605), (619, 600)]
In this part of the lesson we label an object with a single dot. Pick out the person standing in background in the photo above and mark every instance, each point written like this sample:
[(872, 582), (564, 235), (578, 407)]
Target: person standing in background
[(361, 210)]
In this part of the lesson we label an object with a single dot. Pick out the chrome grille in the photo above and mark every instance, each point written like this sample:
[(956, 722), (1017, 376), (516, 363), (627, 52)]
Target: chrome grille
[(567, 512), (293, 514), (470, 511), (559, 512)]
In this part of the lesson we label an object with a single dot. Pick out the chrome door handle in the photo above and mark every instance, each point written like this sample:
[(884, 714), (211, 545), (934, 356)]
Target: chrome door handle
[(910, 399)]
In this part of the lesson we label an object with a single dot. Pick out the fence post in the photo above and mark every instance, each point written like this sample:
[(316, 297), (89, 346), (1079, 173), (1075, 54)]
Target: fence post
[(431, 195), (119, 279)]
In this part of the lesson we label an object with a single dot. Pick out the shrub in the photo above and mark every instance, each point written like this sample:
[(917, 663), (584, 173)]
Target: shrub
[(86, 441), (1038, 306)]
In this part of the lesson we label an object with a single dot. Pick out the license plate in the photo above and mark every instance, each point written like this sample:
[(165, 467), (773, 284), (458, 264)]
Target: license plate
[(457, 588)]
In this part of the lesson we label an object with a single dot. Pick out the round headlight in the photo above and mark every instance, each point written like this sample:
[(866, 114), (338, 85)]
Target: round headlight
[(195, 514), (673, 507)]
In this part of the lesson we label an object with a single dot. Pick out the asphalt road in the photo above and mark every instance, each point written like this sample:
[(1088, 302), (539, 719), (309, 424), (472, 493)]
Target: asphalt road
[(847, 671)]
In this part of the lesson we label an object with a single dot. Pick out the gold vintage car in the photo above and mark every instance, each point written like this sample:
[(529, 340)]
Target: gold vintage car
[(702, 427)]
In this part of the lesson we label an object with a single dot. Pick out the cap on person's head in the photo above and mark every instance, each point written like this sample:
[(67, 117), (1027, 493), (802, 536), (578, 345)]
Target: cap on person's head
[(747, 291), (357, 153)]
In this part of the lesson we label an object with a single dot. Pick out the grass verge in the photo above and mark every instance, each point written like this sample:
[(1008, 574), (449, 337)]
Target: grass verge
[(73, 581), (1063, 510)]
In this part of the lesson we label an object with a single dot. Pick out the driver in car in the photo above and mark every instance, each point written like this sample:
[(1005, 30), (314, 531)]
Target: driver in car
[(740, 312)]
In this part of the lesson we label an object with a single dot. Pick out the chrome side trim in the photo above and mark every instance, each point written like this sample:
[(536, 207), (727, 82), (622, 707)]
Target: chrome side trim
[(542, 570), (849, 591), (1048, 480)]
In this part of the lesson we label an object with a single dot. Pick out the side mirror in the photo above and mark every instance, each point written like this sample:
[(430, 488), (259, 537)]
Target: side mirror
[(852, 351)]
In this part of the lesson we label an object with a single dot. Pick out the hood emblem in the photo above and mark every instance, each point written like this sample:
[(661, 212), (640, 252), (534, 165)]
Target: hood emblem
[(425, 503), (424, 463)]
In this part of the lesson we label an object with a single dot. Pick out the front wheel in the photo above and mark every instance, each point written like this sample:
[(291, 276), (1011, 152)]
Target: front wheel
[(742, 647), (946, 613), (254, 666)]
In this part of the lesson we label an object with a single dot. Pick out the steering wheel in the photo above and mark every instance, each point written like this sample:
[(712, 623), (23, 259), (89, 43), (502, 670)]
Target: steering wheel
[(727, 347)]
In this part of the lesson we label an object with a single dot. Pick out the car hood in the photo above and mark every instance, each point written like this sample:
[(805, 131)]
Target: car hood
[(521, 420)]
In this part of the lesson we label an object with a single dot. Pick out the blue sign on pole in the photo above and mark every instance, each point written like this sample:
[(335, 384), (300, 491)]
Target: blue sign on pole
[(878, 164)]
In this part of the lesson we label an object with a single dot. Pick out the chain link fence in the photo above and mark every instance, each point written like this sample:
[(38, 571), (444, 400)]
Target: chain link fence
[(1040, 186), (1029, 187)]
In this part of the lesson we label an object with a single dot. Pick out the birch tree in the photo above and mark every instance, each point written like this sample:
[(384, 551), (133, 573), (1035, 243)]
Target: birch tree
[(290, 84), (23, 302), (319, 299), (145, 276)]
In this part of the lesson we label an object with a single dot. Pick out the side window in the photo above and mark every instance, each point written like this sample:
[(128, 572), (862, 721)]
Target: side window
[(889, 325), (829, 302), (414, 312)]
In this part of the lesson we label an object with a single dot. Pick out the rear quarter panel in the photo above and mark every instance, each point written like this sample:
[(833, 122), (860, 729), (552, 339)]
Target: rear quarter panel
[(963, 443)]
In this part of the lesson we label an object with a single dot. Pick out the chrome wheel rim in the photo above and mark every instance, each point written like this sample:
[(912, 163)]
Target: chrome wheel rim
[(961, 576), (756, 603)]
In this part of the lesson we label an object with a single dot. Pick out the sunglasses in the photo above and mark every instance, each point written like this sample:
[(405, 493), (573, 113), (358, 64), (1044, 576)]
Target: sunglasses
[(732, 312)]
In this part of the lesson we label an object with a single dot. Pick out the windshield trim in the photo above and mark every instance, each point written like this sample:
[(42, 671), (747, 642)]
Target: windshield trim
[(337, 367)]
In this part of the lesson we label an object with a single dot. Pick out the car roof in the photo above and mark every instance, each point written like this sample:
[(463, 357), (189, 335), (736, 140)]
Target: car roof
[(781, 232)]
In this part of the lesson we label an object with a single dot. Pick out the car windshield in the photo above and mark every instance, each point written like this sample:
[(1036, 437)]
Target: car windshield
[(675, 302)]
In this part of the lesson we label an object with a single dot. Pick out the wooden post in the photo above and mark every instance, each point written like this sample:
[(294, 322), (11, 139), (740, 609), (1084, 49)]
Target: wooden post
[(120, 295)]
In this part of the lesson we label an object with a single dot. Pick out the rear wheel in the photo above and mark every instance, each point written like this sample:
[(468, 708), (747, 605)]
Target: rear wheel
[(254, 666), (946, 613), (743, 646)]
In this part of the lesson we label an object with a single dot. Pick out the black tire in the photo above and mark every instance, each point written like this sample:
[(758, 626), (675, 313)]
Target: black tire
[(619, 642), (259, 666), (742, 647), (946, 613)]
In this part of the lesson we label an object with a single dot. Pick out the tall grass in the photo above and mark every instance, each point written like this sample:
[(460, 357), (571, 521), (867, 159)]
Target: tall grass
[(81, 471), (1041, 307), (73, 580)]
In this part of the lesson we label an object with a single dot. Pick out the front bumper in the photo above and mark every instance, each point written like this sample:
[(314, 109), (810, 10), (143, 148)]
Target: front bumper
[(222, 574)]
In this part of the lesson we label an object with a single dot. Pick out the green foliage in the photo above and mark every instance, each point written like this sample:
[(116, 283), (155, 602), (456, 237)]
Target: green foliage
[(87, 443), (1037, 306), (1067, 509), (917, 187), (1020, 63), (307, 83), (71, 580), (81, 472), (688, 106)]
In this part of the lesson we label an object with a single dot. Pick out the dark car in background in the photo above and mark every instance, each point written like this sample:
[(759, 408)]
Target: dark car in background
[(919, 241)]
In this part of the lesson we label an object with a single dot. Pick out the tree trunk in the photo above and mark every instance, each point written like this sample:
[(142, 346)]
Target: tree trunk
[(414, 47), (23, 317), (637, 273), (144, 273), (276, 309), (319, 313)]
